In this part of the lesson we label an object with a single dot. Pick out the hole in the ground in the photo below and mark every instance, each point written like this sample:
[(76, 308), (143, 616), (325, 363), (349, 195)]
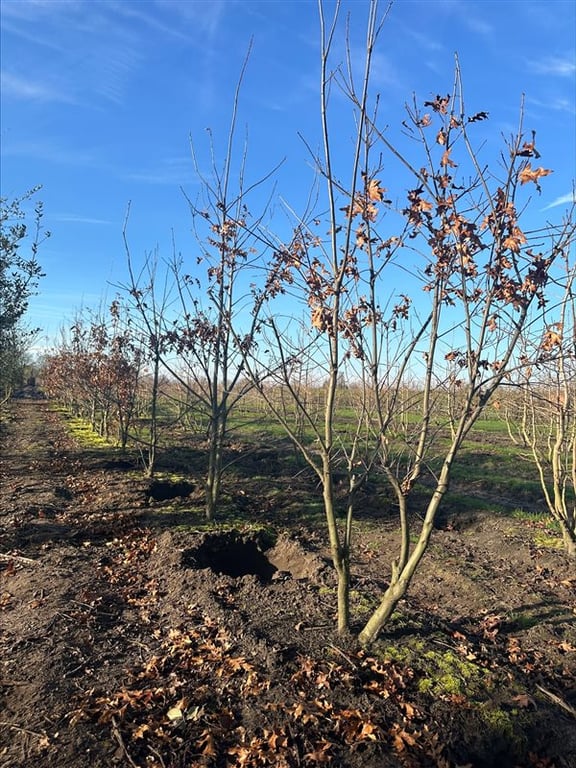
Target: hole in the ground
[(61, 492), (163, 490), (231, 554)]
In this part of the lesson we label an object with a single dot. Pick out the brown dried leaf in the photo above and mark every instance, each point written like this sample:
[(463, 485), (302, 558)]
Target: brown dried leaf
[(320, 753), (44, 742), (523, 700), (206, 744), (374, 190), (409, 710), (550, 340), (402, 738), (140, 731), (440, 104), (446, 161), (527, 174), (318, 319), (478, 116), (491, 626)]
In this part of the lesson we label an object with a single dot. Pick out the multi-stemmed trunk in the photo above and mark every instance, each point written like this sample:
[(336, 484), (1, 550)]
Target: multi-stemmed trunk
[(214, 468)]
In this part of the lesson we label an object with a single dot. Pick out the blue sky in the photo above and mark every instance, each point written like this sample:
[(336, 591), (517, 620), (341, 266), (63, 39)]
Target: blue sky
[(100, 99)]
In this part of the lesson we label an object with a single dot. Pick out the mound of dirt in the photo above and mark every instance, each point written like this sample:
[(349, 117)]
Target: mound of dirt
[(290, 557)]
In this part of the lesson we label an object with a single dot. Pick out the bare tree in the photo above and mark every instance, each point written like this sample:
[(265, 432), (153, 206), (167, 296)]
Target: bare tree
[(472, 279), (325, 275), (95, 371), (214, 316), (546, 420), (150, 301)]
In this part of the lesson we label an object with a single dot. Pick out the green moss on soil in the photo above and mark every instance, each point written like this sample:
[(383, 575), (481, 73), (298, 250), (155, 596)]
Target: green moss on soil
[(440, 673), (504, 726)]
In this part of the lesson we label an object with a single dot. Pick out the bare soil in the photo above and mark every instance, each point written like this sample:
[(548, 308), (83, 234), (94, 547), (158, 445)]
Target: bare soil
[(133, 635)]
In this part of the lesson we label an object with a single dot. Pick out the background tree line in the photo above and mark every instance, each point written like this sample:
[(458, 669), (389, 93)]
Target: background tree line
[(21, 234)]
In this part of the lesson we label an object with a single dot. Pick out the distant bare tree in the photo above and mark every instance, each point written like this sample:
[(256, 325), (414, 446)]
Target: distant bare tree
[(95, 371), (150, 300), (214, 316), (546, 420)]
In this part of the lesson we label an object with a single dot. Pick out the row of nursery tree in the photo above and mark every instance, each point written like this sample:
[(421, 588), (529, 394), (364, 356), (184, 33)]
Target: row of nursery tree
[(21, 234), (411, 310)]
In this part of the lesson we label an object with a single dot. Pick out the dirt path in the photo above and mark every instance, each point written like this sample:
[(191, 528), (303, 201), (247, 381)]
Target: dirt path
[(127, 640), (47, 588)]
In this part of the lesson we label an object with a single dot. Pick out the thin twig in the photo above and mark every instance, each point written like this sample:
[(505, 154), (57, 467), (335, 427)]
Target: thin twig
[(11, 684), (317, 627), (557, 700), (158, 755), (120, 740), (22, 730), (344, 655), (18, 559)]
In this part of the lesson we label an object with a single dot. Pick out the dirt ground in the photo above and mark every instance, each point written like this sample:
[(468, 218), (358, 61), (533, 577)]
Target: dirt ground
[(131, 635)]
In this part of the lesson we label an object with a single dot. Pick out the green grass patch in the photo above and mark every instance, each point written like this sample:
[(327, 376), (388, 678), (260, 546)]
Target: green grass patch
[(82, 431), (530, 517), (491, 426), (544, 538)]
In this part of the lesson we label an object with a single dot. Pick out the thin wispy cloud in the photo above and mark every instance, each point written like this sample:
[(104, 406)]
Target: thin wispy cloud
[(76, 219), (205, 17), (117, 66), (18, 87), (51, 152), (557, 104), (36, 37), (134, 12), (564, 105), (186, 21), (478, 25), (385, 73), (464, 10), (30, 9), (560, 66), (424, 42), (175, 171), (562, 200), (91, 54)]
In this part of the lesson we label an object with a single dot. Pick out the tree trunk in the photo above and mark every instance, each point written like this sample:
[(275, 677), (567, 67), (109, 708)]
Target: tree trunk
[(153, 433), (214, 471), (398, 585), (569, 539), (340, 554), (401, 577), (343, 571), (211, 484)]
